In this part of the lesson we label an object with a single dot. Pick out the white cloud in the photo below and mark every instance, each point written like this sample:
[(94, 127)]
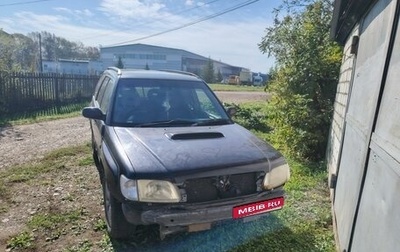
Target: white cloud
[(29, 19), (131, 9), (203, 4), (85, 12), (189, 3), (75, 13)]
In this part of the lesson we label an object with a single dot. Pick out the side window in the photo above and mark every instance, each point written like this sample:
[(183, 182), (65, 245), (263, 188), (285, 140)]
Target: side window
[(205, 103), (102, 89), (99, 84), (105, 100)]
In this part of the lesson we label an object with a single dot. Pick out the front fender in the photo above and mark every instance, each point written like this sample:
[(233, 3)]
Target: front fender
[(111, 172)]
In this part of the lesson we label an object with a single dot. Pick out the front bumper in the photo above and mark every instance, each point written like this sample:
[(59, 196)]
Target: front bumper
[(172, 215)]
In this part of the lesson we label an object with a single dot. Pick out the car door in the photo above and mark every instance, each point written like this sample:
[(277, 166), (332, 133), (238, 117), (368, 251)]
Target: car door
[(102, 101)]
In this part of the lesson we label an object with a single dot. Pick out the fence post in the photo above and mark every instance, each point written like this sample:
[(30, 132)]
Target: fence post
[(57, 92)]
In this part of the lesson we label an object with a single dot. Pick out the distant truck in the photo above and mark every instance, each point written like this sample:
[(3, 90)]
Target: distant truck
[(258, 80), (245, 77), (233, 80)]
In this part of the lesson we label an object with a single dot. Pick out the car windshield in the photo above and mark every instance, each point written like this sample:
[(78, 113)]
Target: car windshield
[(166, 103)]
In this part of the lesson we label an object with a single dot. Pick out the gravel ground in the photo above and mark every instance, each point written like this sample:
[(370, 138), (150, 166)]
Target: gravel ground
[(24, 143), (27, 143)]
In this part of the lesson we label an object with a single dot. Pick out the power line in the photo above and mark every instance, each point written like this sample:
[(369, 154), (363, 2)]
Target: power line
[(241, 5), (161, 19), (26, 2)]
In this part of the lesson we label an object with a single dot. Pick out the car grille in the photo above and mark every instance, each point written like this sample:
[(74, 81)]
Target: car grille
[(222, 187)]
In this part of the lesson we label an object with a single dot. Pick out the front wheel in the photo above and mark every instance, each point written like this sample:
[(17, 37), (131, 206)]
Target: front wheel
[(117, 226)]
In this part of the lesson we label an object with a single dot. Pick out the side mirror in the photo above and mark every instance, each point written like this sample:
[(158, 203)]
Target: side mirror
[(93, 113), (231, 111)]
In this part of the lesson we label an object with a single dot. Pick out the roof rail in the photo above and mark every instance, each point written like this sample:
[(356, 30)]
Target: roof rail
[(115, 69), (179, 71)]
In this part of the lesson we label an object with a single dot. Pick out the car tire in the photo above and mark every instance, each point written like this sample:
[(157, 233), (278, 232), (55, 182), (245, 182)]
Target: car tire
[(117, 226)]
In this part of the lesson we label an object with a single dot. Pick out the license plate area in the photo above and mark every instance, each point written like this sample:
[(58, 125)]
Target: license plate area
[(257, 208)]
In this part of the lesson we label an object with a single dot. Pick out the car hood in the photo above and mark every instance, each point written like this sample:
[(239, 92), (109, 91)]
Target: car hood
[(184, 150)]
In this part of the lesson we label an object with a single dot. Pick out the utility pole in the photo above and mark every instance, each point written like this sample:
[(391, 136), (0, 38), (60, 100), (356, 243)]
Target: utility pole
[(40, 53)]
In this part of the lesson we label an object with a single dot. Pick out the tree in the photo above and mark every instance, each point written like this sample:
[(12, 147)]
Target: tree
[(92, 53), (17, 52), (54, 48), (49, 46), (6, 49), (120, 64), (304, 81), (208, 72), (21, 53), (25, 53), (219, 76)]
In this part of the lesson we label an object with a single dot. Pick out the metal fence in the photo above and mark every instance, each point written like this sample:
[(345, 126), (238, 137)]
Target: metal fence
[(24, 93)]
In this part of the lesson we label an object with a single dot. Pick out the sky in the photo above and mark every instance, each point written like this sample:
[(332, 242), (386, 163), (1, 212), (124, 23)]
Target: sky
[(225, 30)]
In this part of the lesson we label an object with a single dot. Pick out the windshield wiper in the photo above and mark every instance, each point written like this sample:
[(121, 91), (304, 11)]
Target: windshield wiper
[(212, 122), (176, 122)]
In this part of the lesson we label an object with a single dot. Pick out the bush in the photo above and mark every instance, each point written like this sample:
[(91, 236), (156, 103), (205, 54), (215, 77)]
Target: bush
[(252, 116), (297, 129)]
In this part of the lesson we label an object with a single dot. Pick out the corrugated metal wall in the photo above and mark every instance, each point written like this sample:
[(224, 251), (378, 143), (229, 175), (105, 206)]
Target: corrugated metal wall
[(364, 147)]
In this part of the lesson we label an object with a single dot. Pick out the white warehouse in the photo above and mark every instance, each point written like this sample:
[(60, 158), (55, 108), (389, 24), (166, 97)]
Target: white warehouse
[(144, 56)]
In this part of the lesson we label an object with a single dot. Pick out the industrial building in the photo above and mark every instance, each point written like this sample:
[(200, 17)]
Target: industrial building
[(141, 56), (144, 56), (71, 66)]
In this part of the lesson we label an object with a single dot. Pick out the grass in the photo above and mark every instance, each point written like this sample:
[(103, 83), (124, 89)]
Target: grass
[(54, 113), (51, 162), (24, 240), (306, 217), (226, 87)]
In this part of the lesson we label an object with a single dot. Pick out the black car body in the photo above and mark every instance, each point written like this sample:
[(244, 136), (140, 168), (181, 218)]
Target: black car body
[(171, 155)]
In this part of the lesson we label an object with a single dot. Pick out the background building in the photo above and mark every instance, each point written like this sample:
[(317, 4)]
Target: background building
[(144, 56), (78, 67)]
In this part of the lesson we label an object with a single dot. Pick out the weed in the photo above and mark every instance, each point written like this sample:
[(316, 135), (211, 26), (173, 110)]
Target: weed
[(99, 225), (87, 160), (49, 221), (82, 246), (23, 240), (4, 193), (105, 244)]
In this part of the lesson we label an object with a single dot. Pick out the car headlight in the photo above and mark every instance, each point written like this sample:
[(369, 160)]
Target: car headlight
[(129, 188), (277, 176), (158, 191)]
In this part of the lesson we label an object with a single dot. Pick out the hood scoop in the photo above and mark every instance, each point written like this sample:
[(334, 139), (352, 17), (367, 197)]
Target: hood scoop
[(194, 136)]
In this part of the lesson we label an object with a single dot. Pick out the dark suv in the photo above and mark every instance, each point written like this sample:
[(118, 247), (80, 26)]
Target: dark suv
[(168, 153)]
